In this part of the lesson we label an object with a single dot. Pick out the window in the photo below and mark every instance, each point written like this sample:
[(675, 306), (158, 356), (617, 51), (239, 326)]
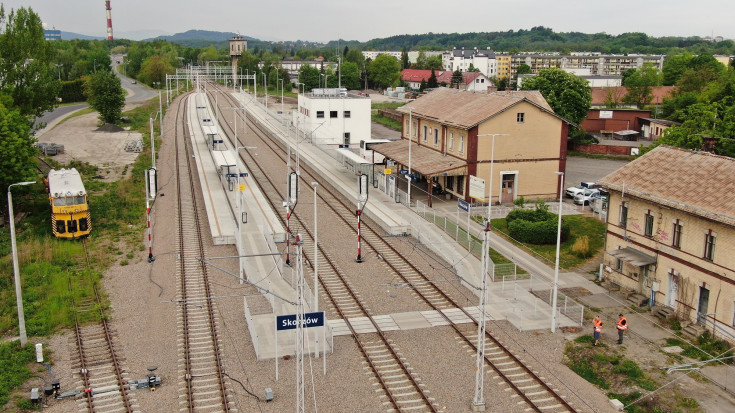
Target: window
[(709, 245), (415, 128), (332, 113), (347, 138), (623, 214), (520, 116), (436, 137), (451, 140), (461, 143), (676, 236), (618, 265), (348, 114), (648, 229), (426, 132), (320, 114)]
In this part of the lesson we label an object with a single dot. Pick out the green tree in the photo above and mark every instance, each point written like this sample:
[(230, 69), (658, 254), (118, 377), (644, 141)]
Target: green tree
[(309, 76), (421, 61), (405, 63), (640, 84), (155, 69), (106, 96), (422, 85), (568, 95), (523, 69), (98, 59), (432, 83), (384, 71), (435, 62), (16, 145), (457, 79), (209, 54), (350, 76), (26, 71), (472, 68), (674, 67), (355, 56)]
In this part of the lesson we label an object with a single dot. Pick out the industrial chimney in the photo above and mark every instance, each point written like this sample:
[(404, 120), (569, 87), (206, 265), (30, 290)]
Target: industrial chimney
[(109, 20)]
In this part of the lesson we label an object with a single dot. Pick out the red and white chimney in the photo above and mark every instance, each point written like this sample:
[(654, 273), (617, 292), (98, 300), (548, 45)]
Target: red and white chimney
[(109, 19)]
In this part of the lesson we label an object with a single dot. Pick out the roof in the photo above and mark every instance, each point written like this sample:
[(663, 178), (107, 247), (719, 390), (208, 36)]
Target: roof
[(66, 182), (417, 75), (663, 122), (599, 93), (633, 256), (465, 110), (423, 160), (699, 183)]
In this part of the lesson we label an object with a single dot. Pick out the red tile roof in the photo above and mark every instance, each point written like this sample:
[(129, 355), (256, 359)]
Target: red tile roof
[(696, 182), (416, 75)]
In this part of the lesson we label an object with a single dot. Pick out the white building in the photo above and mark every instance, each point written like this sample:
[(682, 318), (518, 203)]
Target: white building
[(461, 59), (334, 117)]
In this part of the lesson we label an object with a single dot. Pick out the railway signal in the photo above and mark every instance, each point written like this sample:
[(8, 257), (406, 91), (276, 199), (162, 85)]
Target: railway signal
[(362, 197), (290, 204)]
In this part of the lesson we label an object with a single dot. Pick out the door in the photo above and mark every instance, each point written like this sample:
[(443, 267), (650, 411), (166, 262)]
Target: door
[(507, 195), (702, 309), (673, 289)]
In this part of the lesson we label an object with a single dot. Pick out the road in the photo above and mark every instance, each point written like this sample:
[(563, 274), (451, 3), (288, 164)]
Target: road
[(136, 93)]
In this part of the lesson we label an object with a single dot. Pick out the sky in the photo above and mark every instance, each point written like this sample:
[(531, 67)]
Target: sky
[(325, 20)]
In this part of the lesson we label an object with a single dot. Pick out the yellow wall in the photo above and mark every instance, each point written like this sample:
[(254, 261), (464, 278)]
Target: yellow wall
[(688, 261)]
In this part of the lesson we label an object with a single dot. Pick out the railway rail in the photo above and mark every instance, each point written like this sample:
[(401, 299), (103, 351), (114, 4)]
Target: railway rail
[(98, 366), (531, 388), (203, 379), (401, 387)]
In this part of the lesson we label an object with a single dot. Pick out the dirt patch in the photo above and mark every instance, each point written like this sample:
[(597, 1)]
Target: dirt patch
[(103, 146)]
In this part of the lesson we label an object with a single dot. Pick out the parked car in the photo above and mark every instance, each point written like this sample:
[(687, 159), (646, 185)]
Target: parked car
[(586, 197), (135, 82), (574, 190)]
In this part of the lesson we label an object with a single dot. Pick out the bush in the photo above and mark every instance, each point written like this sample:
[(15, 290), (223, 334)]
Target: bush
[(519, 202), (72, 91), (581, 246), (536, 230)]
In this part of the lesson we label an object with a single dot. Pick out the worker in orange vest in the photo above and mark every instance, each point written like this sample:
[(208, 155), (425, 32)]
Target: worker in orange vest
[(598, 329), (622, 326)]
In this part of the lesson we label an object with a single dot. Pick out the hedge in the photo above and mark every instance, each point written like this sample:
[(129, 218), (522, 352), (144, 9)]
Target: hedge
[(72, 91), (535, 226)]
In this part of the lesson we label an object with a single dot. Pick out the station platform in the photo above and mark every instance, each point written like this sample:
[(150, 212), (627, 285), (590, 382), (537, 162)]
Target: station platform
[(519, 304)]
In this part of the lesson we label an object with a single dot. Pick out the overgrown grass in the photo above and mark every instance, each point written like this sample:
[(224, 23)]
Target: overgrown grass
[(47, 265), (386, 121), (77, 114), (580, 226), (601, 156), (387, 105)]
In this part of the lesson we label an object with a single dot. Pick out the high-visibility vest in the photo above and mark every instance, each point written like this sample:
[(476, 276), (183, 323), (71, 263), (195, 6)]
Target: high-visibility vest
[(622, 324), (598, 325)]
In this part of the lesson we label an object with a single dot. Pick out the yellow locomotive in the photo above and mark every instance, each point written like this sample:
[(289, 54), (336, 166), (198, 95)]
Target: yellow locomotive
[(70, 217)]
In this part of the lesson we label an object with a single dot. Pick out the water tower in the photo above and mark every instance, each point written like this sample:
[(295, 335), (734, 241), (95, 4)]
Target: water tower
[(237, 45)]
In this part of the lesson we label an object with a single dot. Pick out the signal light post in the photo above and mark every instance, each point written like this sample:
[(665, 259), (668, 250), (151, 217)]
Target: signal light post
[(362, 197)]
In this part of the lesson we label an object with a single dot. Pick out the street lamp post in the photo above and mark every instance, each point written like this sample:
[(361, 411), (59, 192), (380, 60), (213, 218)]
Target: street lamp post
[(558, 247), (282, 83), (410, 143), (58, 68), (265, 86), (479, 401), (16, 273), (316, 268)]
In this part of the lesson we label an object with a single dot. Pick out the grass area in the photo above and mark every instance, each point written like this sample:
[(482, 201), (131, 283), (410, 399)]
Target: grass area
[(580, 226), (386, 121), (706, 345), (47, 264), (387, 105), (608, 369), (77, 113)]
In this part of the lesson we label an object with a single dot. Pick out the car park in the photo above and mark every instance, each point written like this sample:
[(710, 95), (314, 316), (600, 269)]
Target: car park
[(572, 191), (586, 197)]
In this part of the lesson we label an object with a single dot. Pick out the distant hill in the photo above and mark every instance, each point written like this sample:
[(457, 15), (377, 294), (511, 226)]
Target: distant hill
[(71, 36), (200, 35)]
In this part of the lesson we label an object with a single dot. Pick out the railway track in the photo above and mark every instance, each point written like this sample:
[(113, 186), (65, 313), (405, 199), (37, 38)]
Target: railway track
[(202, 376), (401, 389), (528, 386), (99, 368)]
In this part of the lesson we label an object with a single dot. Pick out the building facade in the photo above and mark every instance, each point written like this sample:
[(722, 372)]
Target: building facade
[(451, 139), (462, 59), (671, 233), (472, 81), (333, 117)]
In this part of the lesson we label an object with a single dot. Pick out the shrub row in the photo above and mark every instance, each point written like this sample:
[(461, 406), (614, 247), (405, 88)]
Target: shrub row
[(535, 226), (72, 91)]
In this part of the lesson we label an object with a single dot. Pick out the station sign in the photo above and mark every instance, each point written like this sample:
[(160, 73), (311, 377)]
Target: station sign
[(288, 322), (403, 171), (463, 205)]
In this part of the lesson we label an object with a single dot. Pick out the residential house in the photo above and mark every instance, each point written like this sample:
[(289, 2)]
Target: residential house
[(472, 81), (461, 59), (451, 139), (609, 121), (654, 128), (604, 97), (671, 233)]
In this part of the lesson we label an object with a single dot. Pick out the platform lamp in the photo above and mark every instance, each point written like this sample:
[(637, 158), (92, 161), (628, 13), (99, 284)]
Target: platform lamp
[(16, 273), (558, 247)]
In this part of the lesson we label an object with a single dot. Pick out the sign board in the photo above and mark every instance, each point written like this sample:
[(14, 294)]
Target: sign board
[(362, 187), (293, 188), (152, 183), (477, 188), (606, 114), (387, 171), (288, 322), (463, 205), (403, 171), (390, 163), (343, 146)]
